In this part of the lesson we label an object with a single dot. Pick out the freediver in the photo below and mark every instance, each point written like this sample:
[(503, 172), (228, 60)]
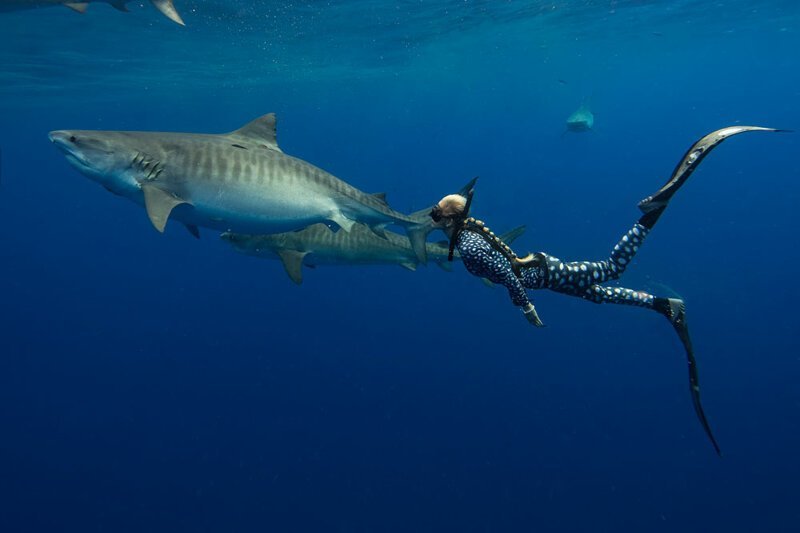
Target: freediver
[(486, 256)]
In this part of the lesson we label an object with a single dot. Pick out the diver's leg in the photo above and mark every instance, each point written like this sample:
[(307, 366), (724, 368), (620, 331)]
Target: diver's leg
[(675, 311), (620, 295), (576, 277)]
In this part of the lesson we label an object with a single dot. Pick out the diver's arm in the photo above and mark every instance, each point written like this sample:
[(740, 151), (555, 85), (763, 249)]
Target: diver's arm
[(483, 261), (533, 317), (520, 298)]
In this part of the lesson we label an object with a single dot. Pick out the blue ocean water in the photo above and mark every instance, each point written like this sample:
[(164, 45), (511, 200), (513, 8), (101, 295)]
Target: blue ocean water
[(157, 383)]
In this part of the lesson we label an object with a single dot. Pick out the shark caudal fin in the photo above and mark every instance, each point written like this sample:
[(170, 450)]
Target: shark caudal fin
[(418, 235), (168, 10)]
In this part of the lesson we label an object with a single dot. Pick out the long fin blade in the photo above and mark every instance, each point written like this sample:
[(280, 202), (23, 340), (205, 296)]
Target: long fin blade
[(159, 204), (690, 161), (80, 7), (694, 384), (293, 264), (168, 10)]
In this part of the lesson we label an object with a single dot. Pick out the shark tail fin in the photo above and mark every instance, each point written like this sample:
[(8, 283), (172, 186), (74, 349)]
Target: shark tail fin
[(168, 10), (418, 234)]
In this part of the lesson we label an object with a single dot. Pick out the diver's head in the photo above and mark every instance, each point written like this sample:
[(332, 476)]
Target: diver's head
[(449, 209)]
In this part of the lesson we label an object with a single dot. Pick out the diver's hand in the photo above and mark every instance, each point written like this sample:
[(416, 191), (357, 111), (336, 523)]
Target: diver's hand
[(530, 313)]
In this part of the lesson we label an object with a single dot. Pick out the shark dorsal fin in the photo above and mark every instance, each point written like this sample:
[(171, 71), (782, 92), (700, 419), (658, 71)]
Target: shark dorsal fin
[(80, 7), (261, 131), (293, 263), (379, 196)]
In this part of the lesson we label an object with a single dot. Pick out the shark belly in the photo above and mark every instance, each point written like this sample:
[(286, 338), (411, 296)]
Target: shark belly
[(254, 210)]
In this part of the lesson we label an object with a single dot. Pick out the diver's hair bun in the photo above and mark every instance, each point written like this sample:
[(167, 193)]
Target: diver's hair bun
[(452, 205)]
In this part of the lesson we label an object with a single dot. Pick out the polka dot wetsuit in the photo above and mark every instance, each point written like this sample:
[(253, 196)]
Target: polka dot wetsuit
[(483, 257)]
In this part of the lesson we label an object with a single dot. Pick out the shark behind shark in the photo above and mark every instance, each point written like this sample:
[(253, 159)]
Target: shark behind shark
[(317, 245), (240, 182), (165, 6), (580, 120)]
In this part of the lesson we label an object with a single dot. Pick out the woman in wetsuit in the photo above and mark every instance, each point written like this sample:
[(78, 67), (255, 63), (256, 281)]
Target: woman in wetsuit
[(486, 256)]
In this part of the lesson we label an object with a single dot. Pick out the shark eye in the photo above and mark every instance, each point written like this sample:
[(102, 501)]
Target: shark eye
[(73, 139)]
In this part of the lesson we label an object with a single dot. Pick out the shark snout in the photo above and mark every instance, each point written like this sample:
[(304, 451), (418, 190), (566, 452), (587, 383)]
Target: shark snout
[(58, 136), (232, 238), (67, 141), (64, 139)]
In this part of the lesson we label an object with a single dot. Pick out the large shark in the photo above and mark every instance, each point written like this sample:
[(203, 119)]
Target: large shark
[(165, 6), (240, 182), (317, 245), (580, 120)]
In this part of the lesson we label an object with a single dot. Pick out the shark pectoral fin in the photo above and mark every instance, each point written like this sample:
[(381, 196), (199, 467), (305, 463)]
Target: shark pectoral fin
[(488, 283), (342, 221), (293, 263), (80, 7), (409, 265), (194, 230), (379, 230), (119, 5), (168, 10), (159, 204)]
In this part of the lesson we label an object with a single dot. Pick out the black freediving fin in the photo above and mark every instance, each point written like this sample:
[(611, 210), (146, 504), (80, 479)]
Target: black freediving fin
[(694, 382), (689, 162)]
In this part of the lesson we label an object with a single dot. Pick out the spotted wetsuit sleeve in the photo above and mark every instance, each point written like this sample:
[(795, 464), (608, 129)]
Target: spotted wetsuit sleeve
[(483, 260)]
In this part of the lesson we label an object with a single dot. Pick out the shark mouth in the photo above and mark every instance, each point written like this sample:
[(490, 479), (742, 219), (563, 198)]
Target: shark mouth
[(62, 141), (76, 157)]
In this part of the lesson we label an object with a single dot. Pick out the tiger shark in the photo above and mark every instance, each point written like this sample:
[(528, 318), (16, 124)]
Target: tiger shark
[(239, 182), (580, 120), (165, 6), (317, 245)]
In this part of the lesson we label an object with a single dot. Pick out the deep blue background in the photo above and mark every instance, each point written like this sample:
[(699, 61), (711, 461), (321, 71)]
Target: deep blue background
[(156, 383)]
